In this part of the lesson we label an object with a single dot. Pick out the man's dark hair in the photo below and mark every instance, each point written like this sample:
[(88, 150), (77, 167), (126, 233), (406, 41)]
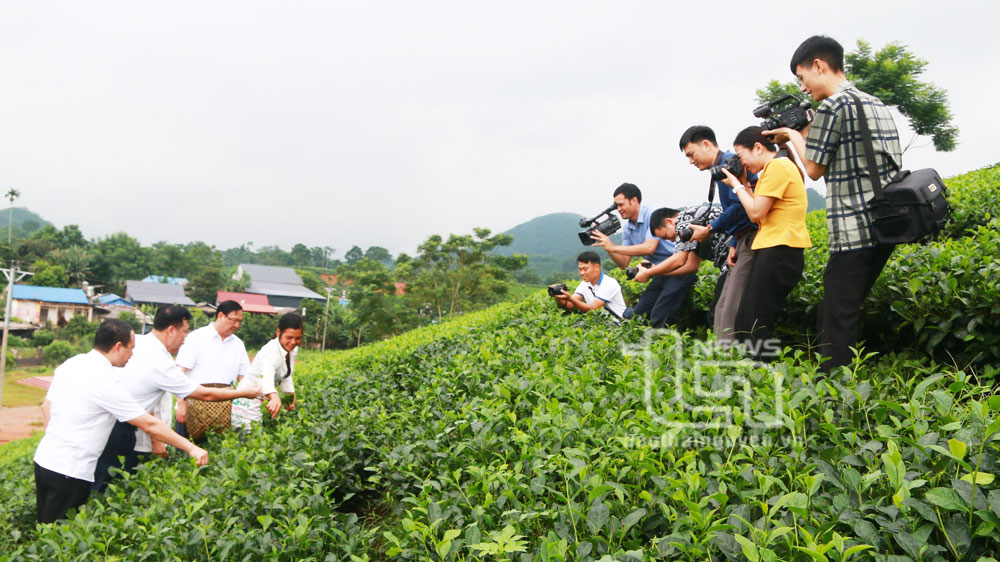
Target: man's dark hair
[(752, 135), (696, 134), (289, 321), (630, 191), (225, 307), (660, 215), (589, 256), (110, 332), (819, 47), (171, 315)]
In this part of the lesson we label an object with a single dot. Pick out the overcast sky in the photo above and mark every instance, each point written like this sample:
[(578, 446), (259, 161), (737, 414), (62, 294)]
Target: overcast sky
[(380, 123)]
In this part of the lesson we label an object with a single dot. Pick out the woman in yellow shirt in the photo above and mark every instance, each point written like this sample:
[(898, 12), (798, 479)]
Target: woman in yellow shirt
[(778, 204)]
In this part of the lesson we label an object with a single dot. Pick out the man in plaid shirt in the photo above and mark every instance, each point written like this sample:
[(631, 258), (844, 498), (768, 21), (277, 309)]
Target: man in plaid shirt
[(832, 148)]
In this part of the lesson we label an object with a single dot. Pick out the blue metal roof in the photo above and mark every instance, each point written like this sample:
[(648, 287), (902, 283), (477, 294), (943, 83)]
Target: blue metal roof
[(50, 294), (112, 298)]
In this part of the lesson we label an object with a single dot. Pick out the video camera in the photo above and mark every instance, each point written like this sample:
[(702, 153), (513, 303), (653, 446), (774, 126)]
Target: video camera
[(787, 111), (608, 226), (557, 289)]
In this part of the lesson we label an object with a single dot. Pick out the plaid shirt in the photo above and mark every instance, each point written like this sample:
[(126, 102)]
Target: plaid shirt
[(835, 141)]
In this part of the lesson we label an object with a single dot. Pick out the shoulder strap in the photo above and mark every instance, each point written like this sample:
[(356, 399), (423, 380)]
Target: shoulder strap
[(866, 135), (711, 182)]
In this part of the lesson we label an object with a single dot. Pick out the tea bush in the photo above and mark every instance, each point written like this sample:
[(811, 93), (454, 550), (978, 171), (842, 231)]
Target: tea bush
[(520, 433)]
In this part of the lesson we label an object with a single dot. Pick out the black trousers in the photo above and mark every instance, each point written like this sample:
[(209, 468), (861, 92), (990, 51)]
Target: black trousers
[(774, 273), (56, 494), (663, 298), (848, 279), (121, 443)]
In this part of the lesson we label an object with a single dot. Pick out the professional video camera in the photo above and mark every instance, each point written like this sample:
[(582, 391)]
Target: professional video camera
[(685, 232), (557, 289), (631, 272), (787, 111), (608, 226), (731, 163)]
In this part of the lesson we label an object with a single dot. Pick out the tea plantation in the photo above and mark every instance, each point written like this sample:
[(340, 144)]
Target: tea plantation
[(519, 433)]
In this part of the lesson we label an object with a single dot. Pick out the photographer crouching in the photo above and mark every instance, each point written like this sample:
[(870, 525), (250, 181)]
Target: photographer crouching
[(678, 226), (663, 297), (596, 291)]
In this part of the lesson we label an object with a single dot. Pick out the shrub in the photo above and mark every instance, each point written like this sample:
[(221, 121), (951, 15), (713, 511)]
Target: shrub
[(42, 338), (57, 352)]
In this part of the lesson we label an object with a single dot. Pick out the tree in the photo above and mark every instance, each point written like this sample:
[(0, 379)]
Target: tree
[(378, 253), (891, 75), (49, 275), (353, 255), (119, 258), (459, 274), (204, 285), (12, 194), (301, 256), (75, 260)]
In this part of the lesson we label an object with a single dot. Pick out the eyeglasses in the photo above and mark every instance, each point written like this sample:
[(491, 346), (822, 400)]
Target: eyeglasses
[(235, 319)]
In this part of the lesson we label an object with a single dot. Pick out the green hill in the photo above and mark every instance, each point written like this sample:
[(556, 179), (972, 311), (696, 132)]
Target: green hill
[(550, 242), (25, 221)]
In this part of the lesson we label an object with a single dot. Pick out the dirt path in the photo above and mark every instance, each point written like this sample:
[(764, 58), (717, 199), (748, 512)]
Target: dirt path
[(19, 422)]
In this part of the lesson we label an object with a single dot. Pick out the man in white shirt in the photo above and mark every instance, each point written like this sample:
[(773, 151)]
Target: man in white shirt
[(596, 291), (80, 408), (149, 375), (270, 371), (213, 355)]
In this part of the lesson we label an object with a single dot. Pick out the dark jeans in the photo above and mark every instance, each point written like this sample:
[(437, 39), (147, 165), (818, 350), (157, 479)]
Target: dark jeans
[(181, 429), (663, 298), (720, 285), (121, 443), (56, 494), (774, 273), (848, 279)]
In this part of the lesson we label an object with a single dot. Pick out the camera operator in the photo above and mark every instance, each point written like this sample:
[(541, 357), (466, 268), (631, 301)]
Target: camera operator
[(778, 204), (832, 148), (596, 291), (699, 145), (663, 297), (671, 224)]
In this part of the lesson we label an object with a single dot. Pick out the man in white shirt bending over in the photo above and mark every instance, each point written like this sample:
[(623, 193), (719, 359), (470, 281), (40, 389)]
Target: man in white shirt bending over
[(597, 291), (213, 356), (85, 399), (150, 374)]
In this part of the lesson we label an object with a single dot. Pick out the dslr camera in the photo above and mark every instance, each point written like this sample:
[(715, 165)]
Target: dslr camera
[(608, 225), (731, 163), (684, 233), (557, 289), (787, 111), (631, 272)]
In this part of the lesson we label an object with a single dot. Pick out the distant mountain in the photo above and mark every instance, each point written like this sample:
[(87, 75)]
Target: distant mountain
[(550, 242), (25, 221), (816, 200)]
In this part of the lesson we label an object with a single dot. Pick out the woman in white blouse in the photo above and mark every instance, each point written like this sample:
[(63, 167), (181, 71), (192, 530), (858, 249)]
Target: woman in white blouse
[(272, 369)]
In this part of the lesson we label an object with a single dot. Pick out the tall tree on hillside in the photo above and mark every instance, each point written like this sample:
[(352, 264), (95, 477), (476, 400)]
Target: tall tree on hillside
[(75, 260), (301, 256), (374, 304), (378, 253), (459, 274), (119, 258), (12, 194), (891, 74), (354, 255)]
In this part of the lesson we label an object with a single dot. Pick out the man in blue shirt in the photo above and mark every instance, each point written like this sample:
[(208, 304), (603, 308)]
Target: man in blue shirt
[(663, 297), (701, 149)]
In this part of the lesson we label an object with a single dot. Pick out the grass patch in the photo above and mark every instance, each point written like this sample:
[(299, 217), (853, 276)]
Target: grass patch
[(17, 394)]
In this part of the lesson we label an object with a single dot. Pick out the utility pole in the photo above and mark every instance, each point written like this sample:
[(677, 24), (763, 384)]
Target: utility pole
[(13, 275), (326, 318), (12, 195)]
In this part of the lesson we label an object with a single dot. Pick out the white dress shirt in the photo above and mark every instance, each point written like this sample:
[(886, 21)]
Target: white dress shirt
[(270, 369), (148, 376), (86, 397), (211, 359)]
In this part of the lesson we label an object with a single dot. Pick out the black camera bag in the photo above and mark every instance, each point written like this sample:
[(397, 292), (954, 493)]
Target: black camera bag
[(912, 206)]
